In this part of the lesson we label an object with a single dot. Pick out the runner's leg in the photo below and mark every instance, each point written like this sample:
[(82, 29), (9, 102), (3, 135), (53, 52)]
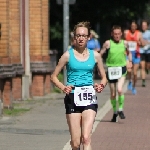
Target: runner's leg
[(88, 117), (113, 101), (148, 62), (129, 74), (130, 80), (121, 96), (74, 123), (135, 69), (113, 96), (142, 63), (143, 68)]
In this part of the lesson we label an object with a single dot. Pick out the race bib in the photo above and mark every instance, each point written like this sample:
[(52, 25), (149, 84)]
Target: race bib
[(114, 72), (84, 96), (132, 45)]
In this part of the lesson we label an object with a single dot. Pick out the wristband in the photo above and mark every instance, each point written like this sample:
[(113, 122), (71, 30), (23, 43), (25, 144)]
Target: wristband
[(102, 85)]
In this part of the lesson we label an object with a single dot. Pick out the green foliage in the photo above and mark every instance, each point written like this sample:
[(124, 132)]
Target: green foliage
[(56, 89), (14, 111), (147, 11), (56, 31), (106, 13), (60, 77)]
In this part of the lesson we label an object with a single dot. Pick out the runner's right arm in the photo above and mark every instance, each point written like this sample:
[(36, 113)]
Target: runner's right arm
[(106, 46), (54, 77), (124, 35), (141, 41)]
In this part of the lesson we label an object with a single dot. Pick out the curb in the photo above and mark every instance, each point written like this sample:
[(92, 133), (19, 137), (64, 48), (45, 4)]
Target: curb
[(51, 96)]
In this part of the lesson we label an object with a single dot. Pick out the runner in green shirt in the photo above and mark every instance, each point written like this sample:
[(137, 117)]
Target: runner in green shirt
[(117, 64)]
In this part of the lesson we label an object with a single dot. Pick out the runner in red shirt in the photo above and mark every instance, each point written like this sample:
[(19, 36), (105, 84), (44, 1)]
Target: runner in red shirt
[(134, 38)]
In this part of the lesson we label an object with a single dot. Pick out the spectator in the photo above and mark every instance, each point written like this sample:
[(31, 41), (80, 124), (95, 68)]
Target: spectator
[(93, 43)]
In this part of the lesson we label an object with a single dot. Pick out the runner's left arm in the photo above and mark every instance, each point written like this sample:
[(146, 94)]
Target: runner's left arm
[(128, 52), (129, 57)]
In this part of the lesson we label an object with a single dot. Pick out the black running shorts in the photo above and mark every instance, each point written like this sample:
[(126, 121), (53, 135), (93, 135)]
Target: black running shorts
[(72, 108), (124, 71), (145, 57)]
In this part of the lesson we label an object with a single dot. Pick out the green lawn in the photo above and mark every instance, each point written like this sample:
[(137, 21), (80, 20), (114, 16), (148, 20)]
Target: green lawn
[(14, 111)]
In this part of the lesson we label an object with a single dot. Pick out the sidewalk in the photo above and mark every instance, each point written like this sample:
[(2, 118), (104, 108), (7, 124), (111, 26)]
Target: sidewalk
[(133, 133), (44, 127)]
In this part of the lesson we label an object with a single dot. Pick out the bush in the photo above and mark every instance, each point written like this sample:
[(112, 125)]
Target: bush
[(56, 89), (60, 77)]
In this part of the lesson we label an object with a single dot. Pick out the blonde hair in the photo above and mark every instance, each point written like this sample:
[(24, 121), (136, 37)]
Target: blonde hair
[(95, 35), (85, 24)]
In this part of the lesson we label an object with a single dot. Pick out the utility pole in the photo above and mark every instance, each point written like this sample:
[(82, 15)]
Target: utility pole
[(66, 32), (66, 4)]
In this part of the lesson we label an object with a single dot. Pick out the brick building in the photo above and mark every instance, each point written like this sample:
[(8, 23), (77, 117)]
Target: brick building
[(24, 50)]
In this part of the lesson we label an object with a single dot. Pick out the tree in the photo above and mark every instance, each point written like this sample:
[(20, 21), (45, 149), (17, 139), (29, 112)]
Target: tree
[(105, 12)]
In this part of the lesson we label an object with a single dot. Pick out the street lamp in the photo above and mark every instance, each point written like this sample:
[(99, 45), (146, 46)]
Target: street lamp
[(65, 28)]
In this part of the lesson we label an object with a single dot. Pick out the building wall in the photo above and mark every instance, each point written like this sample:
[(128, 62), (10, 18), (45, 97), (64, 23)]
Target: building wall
[(38, 29), (10, 50), (4, 31), (12, 55), (39, 53)]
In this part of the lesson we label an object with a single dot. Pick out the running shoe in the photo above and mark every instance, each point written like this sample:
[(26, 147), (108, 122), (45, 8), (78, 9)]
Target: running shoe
[(130, 85), (114, 118), (147, 71), (78, 148), (121, 115), (134, 91), (143, 84)]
